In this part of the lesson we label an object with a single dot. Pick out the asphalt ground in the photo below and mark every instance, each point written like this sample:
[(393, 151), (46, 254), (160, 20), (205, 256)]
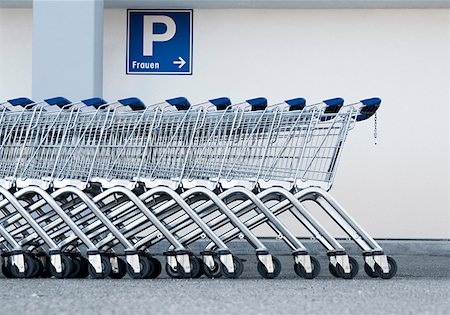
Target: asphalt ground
[(422, 286)]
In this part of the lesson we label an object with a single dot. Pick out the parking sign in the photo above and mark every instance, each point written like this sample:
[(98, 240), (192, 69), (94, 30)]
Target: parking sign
[(159, 42)]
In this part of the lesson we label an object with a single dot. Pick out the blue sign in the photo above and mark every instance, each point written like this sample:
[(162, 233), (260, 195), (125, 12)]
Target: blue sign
[(159, 42)]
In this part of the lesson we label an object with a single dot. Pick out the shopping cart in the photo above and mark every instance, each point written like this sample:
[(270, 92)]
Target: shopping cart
[(19, 181), (140, 155), (261, 250)]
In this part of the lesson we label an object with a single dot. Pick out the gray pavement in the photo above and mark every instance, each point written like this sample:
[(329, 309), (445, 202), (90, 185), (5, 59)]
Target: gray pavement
[(422, 286)]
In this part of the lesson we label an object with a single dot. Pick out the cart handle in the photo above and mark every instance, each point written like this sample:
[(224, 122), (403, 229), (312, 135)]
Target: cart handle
[(21, 101), (181, 103), (296, 103), (96, 102), (133, 102), (370, 107), (221, 103), (333, 105), (259, 103), (58, 101)]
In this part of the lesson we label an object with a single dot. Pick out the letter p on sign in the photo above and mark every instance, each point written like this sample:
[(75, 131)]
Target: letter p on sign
[(150, 37)]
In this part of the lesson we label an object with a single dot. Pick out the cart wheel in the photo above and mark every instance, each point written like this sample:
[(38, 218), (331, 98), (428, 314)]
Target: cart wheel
[(301, 272), (84, 263), (276, 269), (238, 269), (66, 268), (354, 268), (81, 267), (216, 272), (369, 271), (200, 269), (392, 269), (38, 268), (106, 269), (195, 269), (172, 273), (76, 268), (333, 271), (146, 266), (122, 265), (157, 270), (46, 272), (6, 272)]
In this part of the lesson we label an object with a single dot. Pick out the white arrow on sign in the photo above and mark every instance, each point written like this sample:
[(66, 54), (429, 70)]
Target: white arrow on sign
[(180, 62)]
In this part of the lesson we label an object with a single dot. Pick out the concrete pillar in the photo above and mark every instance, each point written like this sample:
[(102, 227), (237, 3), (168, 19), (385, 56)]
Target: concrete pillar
[(67, 49)]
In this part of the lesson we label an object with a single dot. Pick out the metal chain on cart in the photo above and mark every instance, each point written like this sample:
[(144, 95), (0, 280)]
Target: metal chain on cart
[(375, 129)]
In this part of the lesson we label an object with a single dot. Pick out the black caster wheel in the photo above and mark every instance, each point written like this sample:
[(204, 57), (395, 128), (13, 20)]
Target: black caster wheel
[(301, 272), (157, 270), (238, 269), (196, 269), (106, 269), (146, 266), (354, 268), (371, 273), (76, 268), (216, 272), (84, 267), (173, 273), (6, 272), (38, 268), (66, 268), (179, 273), (200, 269), (333, 271), (122, 266), (392, 269), (276, 269), (46, 272)]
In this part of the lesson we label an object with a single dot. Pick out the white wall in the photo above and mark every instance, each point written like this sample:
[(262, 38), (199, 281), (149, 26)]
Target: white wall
[(15, 53), (398, 188)]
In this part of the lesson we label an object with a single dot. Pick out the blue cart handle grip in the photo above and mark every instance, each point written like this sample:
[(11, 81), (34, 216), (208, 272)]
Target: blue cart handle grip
[(96, 102), (133, 102), (21, 101), (259, 103), (221, 103), (58, 101), (296, 103), (181, 103), (371, 105), (333, 105)]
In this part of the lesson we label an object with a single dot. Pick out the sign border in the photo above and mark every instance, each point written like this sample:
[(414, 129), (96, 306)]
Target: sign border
[(190, 71)]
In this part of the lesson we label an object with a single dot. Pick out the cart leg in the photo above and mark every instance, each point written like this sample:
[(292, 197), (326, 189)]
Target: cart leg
[(55, 261), (133, 261), (18, 260), (226, 258), (266, 259), (96, 262)]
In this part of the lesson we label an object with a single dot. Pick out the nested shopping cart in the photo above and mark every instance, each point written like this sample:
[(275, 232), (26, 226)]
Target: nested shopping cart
[(130, 175)]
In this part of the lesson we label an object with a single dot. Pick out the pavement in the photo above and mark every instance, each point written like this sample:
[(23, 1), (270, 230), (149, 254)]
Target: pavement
[(422, 286)]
